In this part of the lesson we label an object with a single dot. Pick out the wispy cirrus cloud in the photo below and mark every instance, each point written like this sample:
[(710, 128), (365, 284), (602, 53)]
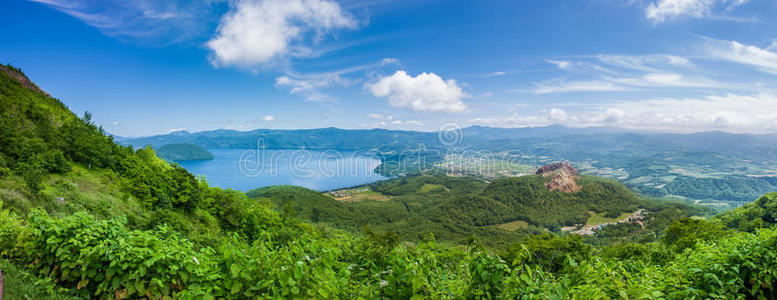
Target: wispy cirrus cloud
[(764, 59), (564, 86), (312, 85), (251, 33), (143, 21), (612, 73)]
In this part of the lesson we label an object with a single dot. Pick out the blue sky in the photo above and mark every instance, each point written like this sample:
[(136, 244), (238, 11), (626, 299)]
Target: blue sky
[(144, 67)]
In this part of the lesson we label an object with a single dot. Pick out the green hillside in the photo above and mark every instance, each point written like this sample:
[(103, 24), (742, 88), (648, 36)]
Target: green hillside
[(454, 208), (761, 213), (82, 217), (183, 152)]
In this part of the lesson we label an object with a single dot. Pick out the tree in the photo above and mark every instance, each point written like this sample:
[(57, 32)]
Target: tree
[(687, 232), (32, 172)]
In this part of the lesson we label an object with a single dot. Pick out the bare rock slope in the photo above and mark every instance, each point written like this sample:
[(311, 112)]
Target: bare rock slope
[(563, 177)]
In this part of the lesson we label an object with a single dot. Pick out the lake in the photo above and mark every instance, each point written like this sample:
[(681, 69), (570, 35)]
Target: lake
[(247, 169)]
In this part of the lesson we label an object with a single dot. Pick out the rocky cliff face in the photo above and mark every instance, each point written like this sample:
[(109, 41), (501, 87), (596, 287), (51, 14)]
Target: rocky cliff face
[(563, 177)]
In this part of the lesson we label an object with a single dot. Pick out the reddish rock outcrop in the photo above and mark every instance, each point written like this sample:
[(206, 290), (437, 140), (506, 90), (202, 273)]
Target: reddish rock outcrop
[(21, 78), (563, 177)]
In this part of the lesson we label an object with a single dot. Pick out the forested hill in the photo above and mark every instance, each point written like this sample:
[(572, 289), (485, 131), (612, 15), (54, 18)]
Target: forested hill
[(183, 152), (83, 217), (453, 208)]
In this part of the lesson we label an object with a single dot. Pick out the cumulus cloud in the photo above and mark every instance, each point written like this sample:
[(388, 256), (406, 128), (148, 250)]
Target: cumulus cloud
[(257, 31), (663, 10), (268, 118), (763, 59), (729, 112), (425, 92)]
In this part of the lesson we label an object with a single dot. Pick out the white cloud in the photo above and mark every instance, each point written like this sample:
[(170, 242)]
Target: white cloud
[(561, 64), (647, 63), (114, 123), (310, 85), (254, 32), (666, 9), (495, 74), (763, 59), (425, 92), (773, 46), (663, 10), (562, 86), (146, 21), (667, 80), (389, 61), (626, 73), (729, 112), (387, 120), (268, 118)]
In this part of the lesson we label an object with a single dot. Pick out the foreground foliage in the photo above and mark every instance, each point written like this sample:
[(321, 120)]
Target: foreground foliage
[(103, 258)]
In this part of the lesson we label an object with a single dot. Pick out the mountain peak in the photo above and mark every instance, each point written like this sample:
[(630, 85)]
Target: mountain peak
[(562, 175), (20, 77)]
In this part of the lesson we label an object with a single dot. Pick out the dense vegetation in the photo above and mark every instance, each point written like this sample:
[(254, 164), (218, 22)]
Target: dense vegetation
[(183, 152), (83, 217), (761, 213), (454, 208)]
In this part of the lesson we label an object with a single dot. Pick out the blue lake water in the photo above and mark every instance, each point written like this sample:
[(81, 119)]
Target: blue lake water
[(246, 169)]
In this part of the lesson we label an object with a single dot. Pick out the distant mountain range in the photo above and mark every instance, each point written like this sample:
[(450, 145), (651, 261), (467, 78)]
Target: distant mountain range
[(479, 137)]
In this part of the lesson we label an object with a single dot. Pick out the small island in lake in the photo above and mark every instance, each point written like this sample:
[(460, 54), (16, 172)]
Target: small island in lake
[(183, 152)]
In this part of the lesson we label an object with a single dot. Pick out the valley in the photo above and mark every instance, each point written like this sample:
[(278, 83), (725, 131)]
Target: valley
[(726, 170)]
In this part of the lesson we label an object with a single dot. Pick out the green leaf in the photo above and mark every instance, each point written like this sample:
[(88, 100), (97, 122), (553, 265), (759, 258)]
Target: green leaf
[(235, 270)]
